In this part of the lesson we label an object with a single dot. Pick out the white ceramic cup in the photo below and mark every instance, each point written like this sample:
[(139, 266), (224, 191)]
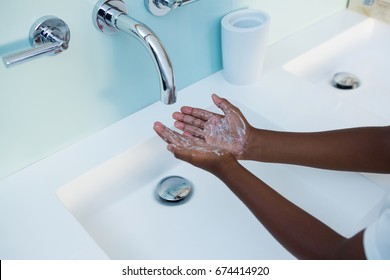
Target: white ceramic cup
[(244, 40)]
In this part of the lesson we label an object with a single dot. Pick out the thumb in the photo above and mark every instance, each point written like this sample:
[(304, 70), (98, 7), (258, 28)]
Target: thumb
[(223, 104), (180, 152)]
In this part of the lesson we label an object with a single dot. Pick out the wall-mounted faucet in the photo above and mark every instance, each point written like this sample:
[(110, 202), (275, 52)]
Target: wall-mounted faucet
[(162, 7), (48, 36), (111, 15)]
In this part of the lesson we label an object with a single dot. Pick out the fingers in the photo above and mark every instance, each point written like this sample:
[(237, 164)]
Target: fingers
[(204, 115), (223, 104), (190, 129), (169, 136), (189, 123), (193, 120), (197, 113), (190, 149), (179, 153), (177, 144), (187, 140), (162, 131), (188, 119)]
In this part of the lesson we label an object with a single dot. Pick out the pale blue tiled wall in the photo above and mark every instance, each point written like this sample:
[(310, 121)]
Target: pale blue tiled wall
[(50, 103)]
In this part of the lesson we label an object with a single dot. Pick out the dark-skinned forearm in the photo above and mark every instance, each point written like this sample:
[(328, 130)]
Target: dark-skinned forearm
[(365, 149), (299, 232)]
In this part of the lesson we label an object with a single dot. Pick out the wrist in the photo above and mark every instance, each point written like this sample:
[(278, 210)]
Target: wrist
[(256, 145), (227, 164)]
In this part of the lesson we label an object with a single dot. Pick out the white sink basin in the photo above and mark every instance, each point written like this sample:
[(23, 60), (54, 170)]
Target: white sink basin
[(363, 50), (117, 205)]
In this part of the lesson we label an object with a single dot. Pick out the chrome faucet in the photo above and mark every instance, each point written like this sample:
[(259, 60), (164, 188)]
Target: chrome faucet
[(111, 15)]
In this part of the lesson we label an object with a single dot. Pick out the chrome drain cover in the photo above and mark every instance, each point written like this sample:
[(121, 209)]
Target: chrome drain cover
[(345, 80), (173, 188)]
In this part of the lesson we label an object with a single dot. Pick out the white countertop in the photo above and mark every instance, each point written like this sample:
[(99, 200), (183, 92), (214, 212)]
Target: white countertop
[(35, 224)]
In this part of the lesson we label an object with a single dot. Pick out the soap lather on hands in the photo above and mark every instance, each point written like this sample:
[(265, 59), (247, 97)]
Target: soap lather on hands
[(207, 134)]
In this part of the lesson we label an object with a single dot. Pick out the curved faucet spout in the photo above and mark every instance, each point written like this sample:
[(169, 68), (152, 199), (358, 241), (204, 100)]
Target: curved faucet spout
[(156, 50), (112, 15)]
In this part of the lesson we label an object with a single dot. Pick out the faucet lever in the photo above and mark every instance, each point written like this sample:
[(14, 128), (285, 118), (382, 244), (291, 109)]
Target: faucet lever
[(111, 15), (162, 7), (48, 36)]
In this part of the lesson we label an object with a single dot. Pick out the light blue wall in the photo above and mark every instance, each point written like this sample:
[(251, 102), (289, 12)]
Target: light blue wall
[(53, 102)]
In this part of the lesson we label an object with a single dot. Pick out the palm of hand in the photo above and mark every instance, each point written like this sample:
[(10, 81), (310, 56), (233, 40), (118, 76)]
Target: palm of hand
[(208, 137), (228, 132), (191, 149)]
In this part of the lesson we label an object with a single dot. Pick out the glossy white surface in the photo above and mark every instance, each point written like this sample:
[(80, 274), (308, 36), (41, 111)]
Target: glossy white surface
[(34, 203), (362, 50)]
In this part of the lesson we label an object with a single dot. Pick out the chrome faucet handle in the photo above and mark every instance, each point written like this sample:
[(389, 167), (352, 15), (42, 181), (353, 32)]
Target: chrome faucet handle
[(48, 36), (162, 7)]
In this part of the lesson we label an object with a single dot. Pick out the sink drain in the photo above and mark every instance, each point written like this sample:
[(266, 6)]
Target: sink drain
[(173, 188), (345, 80)]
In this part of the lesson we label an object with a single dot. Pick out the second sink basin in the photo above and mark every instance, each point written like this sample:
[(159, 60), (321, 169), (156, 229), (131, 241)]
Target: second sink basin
[(362, 50)]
